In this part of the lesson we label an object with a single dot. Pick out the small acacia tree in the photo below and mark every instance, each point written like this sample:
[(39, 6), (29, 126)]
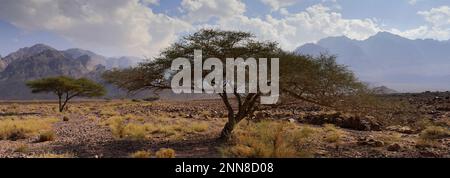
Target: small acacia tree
[(66, 88)]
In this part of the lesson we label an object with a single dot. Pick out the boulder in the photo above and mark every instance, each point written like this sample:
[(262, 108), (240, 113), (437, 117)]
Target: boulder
[(347, 121), (401, 129), (370, 141)]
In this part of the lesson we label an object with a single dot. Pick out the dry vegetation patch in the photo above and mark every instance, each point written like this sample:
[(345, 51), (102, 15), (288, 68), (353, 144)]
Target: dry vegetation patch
[(19, 128), (269, 139)]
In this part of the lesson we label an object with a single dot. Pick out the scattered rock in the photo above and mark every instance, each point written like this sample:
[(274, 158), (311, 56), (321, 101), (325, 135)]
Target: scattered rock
[(401, 129), (291, 120), (394, 147), (261, 116), (429, 154), (189, 116), (369, 141)]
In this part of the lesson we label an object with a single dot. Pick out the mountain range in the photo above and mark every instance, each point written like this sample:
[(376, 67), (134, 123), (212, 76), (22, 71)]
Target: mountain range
[(387, 59), (41, 60)]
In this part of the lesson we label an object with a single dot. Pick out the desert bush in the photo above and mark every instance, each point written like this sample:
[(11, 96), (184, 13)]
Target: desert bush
[(165, 153), (199, 126), (332, 134), (429, 136), (141, 154), (46, 136), (22, 149), (389, 138), (150, 99), (117, 126), (134, 131), (267, 139), (14, 129), (434, 132), (109, 112)]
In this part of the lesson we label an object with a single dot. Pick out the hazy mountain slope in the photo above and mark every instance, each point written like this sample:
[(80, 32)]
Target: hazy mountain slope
[(44, 64), (41, 61), (391, 60)]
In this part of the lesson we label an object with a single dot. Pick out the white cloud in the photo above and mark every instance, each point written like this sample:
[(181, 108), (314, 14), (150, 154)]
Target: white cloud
[(150, 2), (438, 17), (204, 10), (293, 30), (438, 26), (110, 26), (414, 2), (278, 4)]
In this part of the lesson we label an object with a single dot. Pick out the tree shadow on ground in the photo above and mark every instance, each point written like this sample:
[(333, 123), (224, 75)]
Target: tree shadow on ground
[(19, 114), (200, 148)]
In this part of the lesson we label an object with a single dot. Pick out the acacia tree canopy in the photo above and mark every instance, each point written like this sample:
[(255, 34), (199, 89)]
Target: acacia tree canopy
[(66, 88), (214, 44)]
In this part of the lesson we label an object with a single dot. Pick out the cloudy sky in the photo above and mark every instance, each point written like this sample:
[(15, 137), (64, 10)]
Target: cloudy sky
[(143, 27)]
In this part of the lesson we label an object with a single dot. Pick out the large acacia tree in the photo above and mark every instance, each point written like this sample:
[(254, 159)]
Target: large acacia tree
[(66, 88), (306, 78)]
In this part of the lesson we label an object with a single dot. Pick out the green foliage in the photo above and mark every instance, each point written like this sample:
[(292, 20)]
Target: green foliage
[(319, 80), (66, 88)]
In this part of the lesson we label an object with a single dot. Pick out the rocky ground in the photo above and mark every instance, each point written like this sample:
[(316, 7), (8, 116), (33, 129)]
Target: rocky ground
[(191, 128)]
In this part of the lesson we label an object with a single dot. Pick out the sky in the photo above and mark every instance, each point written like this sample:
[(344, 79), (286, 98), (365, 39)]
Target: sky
[(143, 28)]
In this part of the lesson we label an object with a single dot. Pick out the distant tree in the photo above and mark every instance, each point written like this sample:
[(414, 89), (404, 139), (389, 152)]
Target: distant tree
[(67, 88), (214, 44)]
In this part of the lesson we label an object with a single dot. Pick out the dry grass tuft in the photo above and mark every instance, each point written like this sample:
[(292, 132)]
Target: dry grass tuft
[(22, 149), (332, 134), (199, 126), (165, 153), (141, 154), (434, 132), (52, 155), (46, 136)]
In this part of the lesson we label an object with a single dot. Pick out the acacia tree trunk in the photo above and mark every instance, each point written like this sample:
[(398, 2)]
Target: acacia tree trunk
[(229, 126), (60, 103), (245, 108)]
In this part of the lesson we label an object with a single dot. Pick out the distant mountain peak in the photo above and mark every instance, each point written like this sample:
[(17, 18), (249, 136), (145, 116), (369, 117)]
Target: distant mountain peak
[(37, 48), (385, 35), (40, 46), (383, 90)]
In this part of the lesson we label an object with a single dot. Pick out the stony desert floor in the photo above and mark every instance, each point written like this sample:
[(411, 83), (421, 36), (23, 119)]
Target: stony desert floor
[(125, 128)]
